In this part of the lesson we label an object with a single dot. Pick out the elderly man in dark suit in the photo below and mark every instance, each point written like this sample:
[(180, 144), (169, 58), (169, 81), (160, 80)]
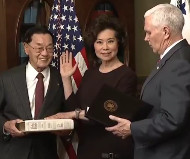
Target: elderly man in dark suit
[(165, 134), (17, 100)]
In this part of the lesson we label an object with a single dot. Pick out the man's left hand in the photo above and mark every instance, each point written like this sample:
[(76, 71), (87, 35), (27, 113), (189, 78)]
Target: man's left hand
[(122, 129)]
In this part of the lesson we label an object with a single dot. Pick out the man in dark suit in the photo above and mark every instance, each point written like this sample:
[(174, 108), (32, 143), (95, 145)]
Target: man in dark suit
[(165, 134), (17, 100)]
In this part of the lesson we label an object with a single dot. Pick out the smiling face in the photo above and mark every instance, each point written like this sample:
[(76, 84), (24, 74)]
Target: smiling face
[(155, 36), (106, 45), (39, 57)]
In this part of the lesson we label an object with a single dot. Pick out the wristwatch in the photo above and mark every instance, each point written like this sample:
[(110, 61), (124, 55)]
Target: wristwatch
[(77, 112)]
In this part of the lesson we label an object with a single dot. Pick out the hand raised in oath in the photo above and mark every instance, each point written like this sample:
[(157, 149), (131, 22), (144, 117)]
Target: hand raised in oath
[(66, 66)]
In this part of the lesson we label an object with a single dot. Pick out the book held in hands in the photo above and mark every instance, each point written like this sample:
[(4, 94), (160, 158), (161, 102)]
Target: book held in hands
[(110, 101), (45, 125)]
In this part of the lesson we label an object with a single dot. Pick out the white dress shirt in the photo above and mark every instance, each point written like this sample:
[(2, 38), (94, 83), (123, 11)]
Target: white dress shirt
[(166, 51), (31, 81)]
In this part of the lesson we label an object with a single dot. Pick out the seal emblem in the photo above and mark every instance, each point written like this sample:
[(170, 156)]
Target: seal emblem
[(110, 105)]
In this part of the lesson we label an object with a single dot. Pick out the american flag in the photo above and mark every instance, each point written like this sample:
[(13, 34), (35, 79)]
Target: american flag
[(64, 25), (183, 5)]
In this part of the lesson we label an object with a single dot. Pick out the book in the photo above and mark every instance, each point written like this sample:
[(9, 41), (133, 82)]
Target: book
[(110, 101), (45, 125)]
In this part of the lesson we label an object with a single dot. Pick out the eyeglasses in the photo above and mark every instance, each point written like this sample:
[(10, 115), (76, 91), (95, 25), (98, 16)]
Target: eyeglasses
[(40, 49)]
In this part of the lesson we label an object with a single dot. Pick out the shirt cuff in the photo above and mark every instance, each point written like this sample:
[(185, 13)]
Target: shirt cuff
[(5, 132)]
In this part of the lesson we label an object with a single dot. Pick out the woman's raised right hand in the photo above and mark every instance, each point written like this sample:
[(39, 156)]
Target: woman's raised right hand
[(66, 66)]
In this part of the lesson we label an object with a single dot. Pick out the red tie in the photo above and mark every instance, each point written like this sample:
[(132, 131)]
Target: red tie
[(39, 94), (158, 61)]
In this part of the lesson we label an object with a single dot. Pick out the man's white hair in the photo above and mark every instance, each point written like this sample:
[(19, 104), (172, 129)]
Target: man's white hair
[(166, 15)]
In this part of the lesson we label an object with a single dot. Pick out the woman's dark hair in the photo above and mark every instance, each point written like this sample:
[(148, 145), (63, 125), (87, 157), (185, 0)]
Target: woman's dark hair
[(35, 30), (101, 23)]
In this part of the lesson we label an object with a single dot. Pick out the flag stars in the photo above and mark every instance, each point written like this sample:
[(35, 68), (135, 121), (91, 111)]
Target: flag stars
[(57, 46), (54, 26), (53, 8), (58, 37), (63, 17), (70, 18), (74, 37), (68, 27), (55, 55), (55, 16), (65, 46), (53, 64), (76, 19), (57, 7), (73, 47), (65, 8), (80, 38), (71, 9), (51, 17), (62, 27), (67, 37), (67, 34), (75, 28)]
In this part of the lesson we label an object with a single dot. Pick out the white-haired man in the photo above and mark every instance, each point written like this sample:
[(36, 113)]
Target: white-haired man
[(165, 134)]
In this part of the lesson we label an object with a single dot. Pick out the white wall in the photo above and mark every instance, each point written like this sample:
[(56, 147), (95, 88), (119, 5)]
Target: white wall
[(145, 59)]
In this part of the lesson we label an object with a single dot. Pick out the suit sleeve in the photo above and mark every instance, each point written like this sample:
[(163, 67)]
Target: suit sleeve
[(73, 100), (2, 105), (71, 103), (174, 113)]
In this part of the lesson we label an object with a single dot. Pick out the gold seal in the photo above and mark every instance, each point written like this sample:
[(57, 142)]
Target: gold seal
[(110, 105)]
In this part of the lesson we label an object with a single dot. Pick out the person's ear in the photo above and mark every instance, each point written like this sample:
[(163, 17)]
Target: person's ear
[(166, 31), (26, 48)]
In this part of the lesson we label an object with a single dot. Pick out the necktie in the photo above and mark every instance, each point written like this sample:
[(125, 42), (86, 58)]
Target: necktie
[(158, 61), (39, 94), (158, 64)]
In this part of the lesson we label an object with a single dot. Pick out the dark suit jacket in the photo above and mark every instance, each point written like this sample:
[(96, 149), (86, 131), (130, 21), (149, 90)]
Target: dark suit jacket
[(14, 104), (165, 134)]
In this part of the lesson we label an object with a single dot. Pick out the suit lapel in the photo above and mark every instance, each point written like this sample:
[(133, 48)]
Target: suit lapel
[(19, 80), (154, 72), (162, 63)]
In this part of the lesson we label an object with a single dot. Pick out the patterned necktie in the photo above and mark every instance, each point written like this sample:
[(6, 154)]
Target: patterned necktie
[(39, 94)]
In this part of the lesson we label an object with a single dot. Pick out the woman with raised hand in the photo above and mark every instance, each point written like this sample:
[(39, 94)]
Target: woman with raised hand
[(105, 42)]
